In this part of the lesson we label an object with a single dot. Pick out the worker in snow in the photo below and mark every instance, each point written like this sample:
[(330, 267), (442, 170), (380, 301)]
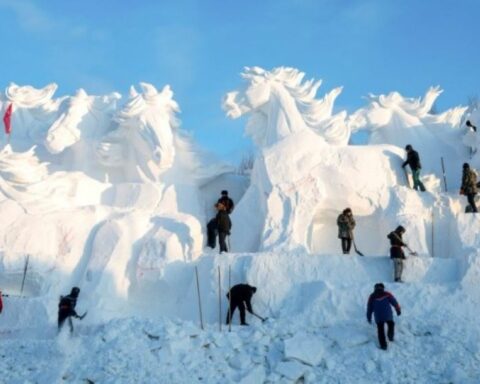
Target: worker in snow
[(380, 304), (346, 224), (224, 225), (240, 296), (413, 159), (471, 126), (66, 309), (396, 251), (226, 201), (469, 187)]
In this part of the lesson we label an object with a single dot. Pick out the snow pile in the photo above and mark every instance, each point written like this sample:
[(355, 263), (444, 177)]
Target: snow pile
[(113, 197)]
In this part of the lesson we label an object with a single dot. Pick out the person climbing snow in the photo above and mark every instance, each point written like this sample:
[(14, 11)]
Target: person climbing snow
[(380, 304), (471, 126), (224, 225), (1, 303), (413, 159), (240, 296), (226, 201), (396, 251), (346, 224), (469, 187), (66, 309)]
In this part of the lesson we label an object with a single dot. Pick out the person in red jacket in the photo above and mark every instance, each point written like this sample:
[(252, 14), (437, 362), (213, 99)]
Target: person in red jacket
[(380, 304)]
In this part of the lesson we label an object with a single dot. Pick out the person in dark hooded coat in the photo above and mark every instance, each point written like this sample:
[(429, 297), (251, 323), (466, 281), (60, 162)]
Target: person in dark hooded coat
[(66, 308), (240, 296)]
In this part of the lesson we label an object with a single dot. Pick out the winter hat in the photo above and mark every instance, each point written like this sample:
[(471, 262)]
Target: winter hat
[(466, 165), (224, 192), (379, 287), (254, 289), (400, 229), (75, 291), (468, 123), (408, 147), (347, 210)]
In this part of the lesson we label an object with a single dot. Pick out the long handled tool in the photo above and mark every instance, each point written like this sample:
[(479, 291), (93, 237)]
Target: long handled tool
[(413, 253), (260, 317), (356, 249)]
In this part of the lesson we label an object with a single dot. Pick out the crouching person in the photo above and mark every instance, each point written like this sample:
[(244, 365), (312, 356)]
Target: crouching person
[(66, 309), (380, 305), (240, 296)]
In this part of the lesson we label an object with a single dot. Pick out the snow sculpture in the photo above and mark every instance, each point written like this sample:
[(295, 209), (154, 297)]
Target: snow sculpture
[(143, 143), (394, 119), (82, 122), (281, 104), (34, 111), (300, 183)]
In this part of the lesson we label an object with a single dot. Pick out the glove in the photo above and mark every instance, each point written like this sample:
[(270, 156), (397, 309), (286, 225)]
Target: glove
[(399, 313)]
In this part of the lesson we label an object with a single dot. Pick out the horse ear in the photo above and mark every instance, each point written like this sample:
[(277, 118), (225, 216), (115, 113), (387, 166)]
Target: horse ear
[(133, 92), (148, 89)]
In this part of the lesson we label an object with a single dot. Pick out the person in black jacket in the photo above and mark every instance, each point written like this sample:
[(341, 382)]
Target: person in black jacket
[(396, 251), (66, 309), (414, 161), (224, 225), (226, 201), (240, 296)]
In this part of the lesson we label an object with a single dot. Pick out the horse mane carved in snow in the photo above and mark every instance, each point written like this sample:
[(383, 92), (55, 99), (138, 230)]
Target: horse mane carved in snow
[(281, 104)]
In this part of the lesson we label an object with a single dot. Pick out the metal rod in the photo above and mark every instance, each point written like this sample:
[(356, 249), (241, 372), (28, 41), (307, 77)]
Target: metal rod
[(199, 300), (219, 301), (24, 274), (444, 177), (433, 235), (230, 299)]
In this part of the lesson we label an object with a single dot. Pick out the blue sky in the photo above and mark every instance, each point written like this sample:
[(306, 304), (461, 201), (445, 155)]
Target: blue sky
[(200, 48)]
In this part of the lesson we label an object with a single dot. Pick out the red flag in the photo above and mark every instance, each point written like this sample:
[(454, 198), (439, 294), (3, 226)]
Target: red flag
[(7, 118)]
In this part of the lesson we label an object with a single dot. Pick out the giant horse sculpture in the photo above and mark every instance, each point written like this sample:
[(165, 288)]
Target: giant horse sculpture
[(297, 187), (147, 144), (280, 105), (83, 120), (33, 112)]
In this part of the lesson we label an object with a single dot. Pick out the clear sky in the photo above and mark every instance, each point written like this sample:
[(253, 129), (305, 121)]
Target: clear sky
[(200, 47)]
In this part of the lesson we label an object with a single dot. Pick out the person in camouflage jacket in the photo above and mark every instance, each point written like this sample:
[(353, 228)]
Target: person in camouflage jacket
[(469, 186), (346, 224)]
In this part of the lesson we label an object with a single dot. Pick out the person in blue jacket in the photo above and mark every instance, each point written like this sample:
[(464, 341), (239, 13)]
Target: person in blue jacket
[(380, 304)]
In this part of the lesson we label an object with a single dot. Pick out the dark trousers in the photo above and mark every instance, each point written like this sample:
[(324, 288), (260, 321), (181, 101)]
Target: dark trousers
[(381, 332), (61, 320), (241, 307), (471, 201), (221, 240), (212, 233), (346, 245)]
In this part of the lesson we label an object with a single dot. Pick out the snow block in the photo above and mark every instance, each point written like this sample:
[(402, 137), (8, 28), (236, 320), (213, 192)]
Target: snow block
[(306, 348)]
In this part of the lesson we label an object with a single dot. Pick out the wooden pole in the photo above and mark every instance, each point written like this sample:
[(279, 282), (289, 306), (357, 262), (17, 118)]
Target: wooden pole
[(199, 300), (230, 299), (444, 177), (219, 301), (24, 274)]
